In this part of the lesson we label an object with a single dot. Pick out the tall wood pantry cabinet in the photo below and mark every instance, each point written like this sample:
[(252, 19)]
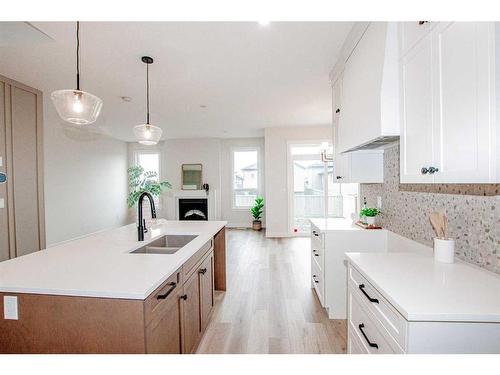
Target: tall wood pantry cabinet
[(22, 229)]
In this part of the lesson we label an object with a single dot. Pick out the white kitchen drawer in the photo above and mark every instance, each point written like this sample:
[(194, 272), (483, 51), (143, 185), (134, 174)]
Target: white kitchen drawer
[(317, 280), (354, 344), (366, 326), (413, 32), (388, 318), (317, 238)]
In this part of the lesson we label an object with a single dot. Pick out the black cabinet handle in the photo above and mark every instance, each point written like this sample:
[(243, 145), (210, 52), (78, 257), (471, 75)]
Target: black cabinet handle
[(184, 297), (338, 177), (338, 110), (165, 295), (315, 233), (424, 170), (362, 288), (372, 344), (203, 271), (315, 253), (314, 278), (422, 22), (433, 170)]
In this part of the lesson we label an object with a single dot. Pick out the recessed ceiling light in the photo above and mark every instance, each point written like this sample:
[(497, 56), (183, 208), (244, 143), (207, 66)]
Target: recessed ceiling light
[(126, 98), (263, 23)]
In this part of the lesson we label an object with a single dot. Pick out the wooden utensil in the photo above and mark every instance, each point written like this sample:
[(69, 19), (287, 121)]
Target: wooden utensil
[(445, 224), (436, 223)]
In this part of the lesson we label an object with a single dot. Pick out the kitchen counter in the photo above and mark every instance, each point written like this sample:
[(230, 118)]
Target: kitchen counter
[(100, 265), (423, 290), (335, 224)]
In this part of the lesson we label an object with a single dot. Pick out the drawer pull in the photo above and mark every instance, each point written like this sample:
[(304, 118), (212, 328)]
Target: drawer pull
[(314, 278), (315, 233), (362, 288), (315, 253), (372, 344), (184, 297), (203, 271), (166, 294)]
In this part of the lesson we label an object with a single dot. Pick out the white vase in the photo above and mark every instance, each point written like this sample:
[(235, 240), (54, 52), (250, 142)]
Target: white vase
[(370, 220)]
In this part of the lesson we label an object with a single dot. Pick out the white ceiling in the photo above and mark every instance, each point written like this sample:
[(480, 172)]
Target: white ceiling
[(249, 77)]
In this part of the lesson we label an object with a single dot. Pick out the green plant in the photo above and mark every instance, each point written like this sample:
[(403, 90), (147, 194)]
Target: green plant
[(140, 181), (258, 208), (369, 212)]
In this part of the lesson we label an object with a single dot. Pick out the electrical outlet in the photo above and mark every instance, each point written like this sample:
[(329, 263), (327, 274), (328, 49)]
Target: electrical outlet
[(10, 308), (379, 202), (2, 203), (1, 161)]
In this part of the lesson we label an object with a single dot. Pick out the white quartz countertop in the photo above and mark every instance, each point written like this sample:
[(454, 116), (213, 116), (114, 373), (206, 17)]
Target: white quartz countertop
[(335, 224), (424, 290), (100, 265)]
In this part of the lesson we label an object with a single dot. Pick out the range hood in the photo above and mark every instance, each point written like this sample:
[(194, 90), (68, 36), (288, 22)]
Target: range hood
[(377, 143), (369, 113)]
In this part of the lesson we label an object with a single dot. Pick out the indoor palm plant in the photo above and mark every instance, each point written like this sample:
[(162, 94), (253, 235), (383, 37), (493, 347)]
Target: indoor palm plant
[(257, 210), (141, 181)]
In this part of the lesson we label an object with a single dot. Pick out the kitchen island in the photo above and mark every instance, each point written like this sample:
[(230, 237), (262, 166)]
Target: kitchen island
[(100, 294)]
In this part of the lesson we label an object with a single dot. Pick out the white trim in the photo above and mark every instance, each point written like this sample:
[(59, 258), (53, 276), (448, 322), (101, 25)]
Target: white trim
[(234, 149)]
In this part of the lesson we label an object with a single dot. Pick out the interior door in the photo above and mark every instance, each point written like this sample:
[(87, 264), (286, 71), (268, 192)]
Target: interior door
[(464, 63), (417, 121)]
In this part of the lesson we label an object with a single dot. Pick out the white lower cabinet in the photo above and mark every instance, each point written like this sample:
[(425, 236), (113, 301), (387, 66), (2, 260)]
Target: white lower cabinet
[(376, 327), (328, 273)]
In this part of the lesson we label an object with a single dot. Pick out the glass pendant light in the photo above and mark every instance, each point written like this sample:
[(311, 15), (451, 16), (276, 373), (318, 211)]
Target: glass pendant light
[(77, 106), (147, 134)]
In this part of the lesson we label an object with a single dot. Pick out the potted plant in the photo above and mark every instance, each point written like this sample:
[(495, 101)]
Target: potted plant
[(257, 209), (141, 181), (369, 214)]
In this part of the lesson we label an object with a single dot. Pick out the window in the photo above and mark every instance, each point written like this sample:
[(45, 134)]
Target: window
[(150, 161), (245, 177)]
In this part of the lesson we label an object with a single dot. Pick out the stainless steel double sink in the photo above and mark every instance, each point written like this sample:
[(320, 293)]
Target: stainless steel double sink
[(168, 244)]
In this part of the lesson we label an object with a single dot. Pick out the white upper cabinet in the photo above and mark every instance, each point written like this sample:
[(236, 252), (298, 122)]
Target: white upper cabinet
[(464, 62), (413, 32), (370, 94), (448, 128), (416, 113), (365, 166)]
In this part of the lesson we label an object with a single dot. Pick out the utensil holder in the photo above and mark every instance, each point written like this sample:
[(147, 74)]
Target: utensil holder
[(444, 250)]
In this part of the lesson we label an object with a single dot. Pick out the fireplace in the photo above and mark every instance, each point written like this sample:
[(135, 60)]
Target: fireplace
[(193, 209)]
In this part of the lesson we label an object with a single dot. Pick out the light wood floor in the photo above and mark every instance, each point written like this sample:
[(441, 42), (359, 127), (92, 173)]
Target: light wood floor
[(269, 306)]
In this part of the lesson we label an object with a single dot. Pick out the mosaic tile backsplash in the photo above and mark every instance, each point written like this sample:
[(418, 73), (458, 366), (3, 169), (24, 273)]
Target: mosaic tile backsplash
[(474, 221)]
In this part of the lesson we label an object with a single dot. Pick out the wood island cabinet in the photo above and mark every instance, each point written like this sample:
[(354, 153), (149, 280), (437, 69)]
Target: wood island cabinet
[(171, 320)]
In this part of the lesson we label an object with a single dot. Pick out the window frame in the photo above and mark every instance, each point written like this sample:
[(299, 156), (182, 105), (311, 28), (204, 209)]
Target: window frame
[(233, 150), (150, 152)]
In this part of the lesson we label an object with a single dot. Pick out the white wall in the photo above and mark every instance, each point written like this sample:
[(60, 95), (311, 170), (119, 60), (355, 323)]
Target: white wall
[(276, 172), (176, 152), (85, 180), (215, 156)]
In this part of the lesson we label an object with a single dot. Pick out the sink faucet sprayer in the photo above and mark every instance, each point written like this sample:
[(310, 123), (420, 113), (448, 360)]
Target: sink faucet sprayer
[(142, 222)]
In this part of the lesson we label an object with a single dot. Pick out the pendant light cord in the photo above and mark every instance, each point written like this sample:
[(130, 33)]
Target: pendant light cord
[(147, 92), (78, 55)]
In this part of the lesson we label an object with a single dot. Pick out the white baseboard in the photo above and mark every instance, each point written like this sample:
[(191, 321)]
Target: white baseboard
[(240, 225), (277, 234)]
